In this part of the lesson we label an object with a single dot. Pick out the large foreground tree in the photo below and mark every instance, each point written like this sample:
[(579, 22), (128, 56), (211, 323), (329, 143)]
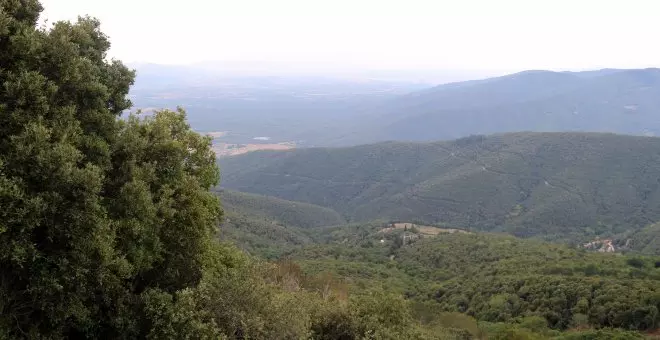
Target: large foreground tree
[(97, 214)]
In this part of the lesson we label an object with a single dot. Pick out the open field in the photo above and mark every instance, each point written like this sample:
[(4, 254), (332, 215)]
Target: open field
[(227, 149), (216, 134), (425, 230)]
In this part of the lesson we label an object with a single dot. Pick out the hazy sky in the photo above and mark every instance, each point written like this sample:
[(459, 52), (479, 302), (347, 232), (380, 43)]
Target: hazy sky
[(380, 34)]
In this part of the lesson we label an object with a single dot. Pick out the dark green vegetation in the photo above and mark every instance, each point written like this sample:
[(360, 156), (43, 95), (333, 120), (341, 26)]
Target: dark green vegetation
[(294, 214), (508, 287), (101, 219), (645, 241), (501, 278), (561, 186), (268, 226), (263, 237)]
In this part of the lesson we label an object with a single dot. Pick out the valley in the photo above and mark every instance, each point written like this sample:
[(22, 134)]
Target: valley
[(327, 111)]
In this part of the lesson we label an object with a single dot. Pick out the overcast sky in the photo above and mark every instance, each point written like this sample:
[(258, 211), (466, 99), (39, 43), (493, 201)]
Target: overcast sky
[(380, 34)]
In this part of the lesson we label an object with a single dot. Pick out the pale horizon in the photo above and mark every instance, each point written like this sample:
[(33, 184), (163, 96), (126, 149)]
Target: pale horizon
[(484, 36)]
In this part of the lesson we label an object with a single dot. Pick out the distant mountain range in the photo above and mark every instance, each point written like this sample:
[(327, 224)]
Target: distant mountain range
[(620, 101), (558, 186), (341, 111)]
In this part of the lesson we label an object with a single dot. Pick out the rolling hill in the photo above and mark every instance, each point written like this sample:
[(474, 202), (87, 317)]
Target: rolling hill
[(644, 241), (326, 111), (295, 214), (564, 186), (268, 226), (497, 278), (618, 101)]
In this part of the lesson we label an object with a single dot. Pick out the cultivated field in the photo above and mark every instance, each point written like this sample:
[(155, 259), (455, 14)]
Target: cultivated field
[(216, 134), (425, 230), (226, 149)]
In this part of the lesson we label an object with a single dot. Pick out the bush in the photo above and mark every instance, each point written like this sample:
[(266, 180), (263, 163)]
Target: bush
[(635, 262)]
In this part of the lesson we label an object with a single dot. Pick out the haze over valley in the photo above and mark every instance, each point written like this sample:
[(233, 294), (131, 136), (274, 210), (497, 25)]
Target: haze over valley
[(326, 111)]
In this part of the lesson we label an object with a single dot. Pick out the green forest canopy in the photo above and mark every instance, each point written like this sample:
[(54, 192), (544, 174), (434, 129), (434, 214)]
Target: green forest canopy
[(558, 186)]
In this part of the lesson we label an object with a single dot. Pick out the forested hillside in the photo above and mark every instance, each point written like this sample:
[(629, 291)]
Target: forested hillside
[(269, 226), (645, 241), (494, 278), (566, 186), (507, 287), (294, 214)]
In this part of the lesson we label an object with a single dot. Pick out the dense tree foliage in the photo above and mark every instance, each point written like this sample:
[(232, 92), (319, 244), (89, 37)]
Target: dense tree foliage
[(261, 236), (496, 278), (279, 211), (98, 215), (644, 241), (268, 226), (560, 186)]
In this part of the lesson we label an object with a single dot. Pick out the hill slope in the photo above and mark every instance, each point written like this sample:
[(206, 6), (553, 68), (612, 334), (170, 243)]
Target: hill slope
[(621, 101), (295, 214), (498, 278), (645, 241), (556, 185), (268, 226)]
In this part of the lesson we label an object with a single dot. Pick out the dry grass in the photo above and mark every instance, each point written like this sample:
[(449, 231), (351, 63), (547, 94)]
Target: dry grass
[(216, 134), (425, 230), (227, 150)]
